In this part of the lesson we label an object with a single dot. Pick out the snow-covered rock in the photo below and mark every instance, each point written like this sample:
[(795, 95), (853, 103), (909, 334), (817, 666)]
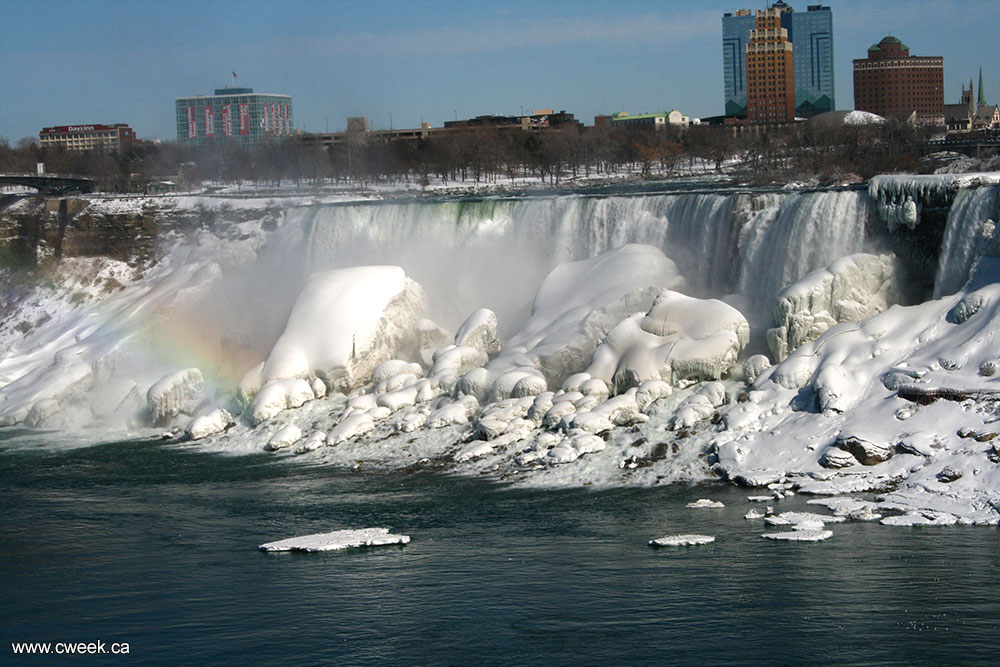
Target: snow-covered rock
[(679, 338), (213, 421), (848, 290), (178, 393), (284, 437), (279, 395), (346, 322), (479, 331)]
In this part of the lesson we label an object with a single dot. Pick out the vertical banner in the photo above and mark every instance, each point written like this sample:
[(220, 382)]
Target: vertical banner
[(227, 120), (192, 123), (244, 119), (209, 121), (274, 119), (265, 121), (288, 123)]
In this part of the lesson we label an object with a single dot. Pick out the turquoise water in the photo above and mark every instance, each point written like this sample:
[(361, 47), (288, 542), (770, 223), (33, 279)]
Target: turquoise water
[(155, 545)]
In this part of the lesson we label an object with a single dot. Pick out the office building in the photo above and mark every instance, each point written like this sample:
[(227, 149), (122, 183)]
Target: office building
[(811, 35), (770, 71), (891, 82), (116, 137), (233, 114)]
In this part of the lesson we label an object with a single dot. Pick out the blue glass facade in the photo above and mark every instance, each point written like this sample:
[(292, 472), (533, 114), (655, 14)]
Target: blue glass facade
[(811, 34)]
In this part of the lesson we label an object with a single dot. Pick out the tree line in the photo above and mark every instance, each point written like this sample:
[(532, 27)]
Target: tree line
[(487, 155)]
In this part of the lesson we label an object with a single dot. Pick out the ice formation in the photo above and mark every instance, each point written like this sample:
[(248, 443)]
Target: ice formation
[(625, 370), (681, 540), (851, 289), (338, 539)]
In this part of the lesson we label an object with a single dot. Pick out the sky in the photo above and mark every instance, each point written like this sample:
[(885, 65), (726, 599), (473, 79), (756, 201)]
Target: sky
[(408, 61)]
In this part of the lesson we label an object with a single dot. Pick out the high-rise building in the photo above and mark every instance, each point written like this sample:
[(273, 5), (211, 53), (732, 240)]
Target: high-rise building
[(770, 71), (811, 34), (233, 114), (891, 82)]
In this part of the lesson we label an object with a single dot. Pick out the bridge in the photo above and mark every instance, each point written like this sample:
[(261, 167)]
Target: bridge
[(51, 184), (972, 144)]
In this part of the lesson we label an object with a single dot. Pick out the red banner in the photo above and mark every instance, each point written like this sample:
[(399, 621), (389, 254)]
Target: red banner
[(265, 121), (227, 120), (209, 121), (192, 123), (288, 124), (244, 119)]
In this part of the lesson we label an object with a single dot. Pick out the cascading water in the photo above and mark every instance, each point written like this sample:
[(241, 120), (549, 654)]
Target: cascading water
[(806, 232), (971, 213), (494, 253)]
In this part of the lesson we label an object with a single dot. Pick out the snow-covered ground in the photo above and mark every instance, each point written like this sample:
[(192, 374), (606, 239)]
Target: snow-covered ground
[(605, 341)]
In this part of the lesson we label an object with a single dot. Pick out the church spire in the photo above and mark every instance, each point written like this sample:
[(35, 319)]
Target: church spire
[(982, 97)]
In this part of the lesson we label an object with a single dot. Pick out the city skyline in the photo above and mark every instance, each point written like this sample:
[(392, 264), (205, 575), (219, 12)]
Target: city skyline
[(108, 61)]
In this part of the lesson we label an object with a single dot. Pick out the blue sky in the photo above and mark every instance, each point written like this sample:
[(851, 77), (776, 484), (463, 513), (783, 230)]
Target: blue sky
[(104, 61)]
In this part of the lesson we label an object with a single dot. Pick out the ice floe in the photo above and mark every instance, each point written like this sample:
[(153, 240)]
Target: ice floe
[(338, 539)]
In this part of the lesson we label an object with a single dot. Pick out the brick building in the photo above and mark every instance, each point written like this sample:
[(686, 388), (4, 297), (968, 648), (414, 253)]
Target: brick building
[(116, 137), (891, 82), (770, 71)]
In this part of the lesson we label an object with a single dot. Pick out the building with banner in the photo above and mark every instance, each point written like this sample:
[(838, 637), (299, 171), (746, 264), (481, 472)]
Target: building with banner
[(114, 138), (233, 114)]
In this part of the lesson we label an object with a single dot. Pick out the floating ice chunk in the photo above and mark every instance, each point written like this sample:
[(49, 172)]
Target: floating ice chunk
[(753, 514), (204, 425), (705, 503), (921, 518), (339, 539), (760, 499), (800, 535), (796, 518), (178, 393), (284, 437), (681, 540)]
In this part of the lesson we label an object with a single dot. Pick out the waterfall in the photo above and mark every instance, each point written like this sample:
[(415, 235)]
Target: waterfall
[(968, 218), (806, 232), (495, 252)]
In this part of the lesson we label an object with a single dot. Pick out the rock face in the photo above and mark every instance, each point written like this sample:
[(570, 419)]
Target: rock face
[(479, 331), (848, 290), (178, 393), (866, 452)]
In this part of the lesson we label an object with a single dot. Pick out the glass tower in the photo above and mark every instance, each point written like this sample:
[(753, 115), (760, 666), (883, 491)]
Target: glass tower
[(811, 34), (233, 114)]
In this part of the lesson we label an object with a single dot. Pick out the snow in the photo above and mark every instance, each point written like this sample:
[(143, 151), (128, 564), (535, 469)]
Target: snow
[(681, 540), (336, 540), (800, 535), (622, 373), (705, 503), (344, 323)]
